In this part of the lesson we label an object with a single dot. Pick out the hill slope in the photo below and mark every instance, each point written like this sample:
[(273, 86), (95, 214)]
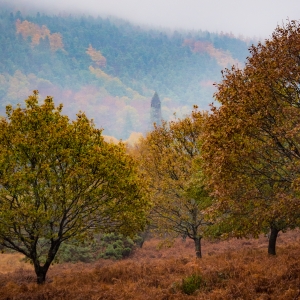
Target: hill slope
[(110, 68)]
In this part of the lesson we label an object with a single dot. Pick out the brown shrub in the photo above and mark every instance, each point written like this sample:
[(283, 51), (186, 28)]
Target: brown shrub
[(235, 269)]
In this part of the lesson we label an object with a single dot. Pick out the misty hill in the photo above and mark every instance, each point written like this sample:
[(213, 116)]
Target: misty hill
[(110, 68)]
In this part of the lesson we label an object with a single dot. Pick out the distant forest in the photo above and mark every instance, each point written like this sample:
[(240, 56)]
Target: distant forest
[(110, 68)]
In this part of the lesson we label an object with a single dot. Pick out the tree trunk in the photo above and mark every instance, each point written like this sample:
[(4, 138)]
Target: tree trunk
[(143, 235), (40, 273), (272, 241), (197, 241)]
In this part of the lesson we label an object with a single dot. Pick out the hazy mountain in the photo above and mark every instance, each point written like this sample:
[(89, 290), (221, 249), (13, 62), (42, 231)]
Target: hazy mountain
[(110, 68)]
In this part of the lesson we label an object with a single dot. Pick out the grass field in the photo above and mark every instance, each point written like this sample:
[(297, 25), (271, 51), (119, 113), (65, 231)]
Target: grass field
[(235, 269)]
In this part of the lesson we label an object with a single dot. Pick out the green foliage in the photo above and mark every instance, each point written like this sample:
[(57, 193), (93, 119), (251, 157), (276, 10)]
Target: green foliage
[(59, 181), (69, 252), (116, 246), (108, 246), (191, 284)]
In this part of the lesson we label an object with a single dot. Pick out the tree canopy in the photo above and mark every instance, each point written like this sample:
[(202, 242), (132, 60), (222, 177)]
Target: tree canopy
[(59, 180), (252, 143), (167, 156)]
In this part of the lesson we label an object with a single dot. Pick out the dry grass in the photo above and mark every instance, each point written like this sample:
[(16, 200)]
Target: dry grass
[(236, 269), (9, 262)]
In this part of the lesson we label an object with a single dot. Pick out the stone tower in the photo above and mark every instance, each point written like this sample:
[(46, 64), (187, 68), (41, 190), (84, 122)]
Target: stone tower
[(155, 113)]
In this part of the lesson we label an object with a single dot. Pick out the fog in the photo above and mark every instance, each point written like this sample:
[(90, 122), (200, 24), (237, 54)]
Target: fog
[(255, 18)]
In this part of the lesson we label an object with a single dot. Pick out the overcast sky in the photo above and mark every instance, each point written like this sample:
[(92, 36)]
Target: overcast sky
[(249, 18)]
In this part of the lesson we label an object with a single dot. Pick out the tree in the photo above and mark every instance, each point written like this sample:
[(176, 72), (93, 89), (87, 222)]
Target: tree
[(252, 143), (96, 56), (59, 181), (167, 157)]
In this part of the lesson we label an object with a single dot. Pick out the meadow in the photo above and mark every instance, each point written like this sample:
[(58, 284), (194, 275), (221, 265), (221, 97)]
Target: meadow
[(233, 269)]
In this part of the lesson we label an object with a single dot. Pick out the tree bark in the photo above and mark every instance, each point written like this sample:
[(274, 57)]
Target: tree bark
[(197, 241), (40, 272), (272, 241), (143, 235)]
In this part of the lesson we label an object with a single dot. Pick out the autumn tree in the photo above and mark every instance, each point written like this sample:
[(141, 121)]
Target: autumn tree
[(37, 33), (251, 153), (59, 181), (167, 156), (96, 56)]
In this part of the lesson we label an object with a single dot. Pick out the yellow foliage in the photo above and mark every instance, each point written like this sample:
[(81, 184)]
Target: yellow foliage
[(96, 56), (28, 29), (99, 73), (56, 41), (111, 139), (167, 156), (60, 180), (223, 58), (134, 139)]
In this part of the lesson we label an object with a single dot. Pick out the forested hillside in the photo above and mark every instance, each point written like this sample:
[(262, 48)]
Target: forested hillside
[(110, 68)]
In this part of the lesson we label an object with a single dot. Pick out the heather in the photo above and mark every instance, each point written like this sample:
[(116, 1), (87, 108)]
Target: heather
[(233, 269)]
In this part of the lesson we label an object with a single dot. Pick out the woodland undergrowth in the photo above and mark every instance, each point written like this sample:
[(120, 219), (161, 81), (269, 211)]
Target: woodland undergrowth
[(235, 269)]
